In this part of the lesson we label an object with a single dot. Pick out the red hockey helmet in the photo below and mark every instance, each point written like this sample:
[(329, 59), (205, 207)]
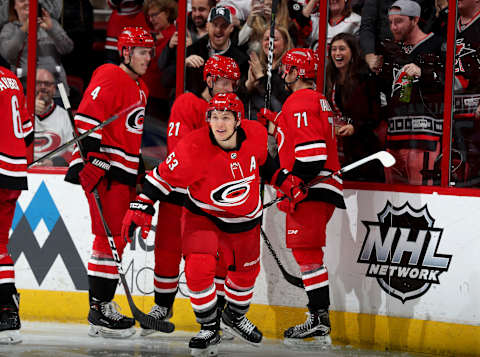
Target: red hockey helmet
[(221, 66), (304, 60), (226, 102), (134, 37)]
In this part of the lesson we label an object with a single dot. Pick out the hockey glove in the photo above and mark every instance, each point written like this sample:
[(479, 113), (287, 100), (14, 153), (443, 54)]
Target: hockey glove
[(139, 215), (295, 190), (93, 171), (265, 115)]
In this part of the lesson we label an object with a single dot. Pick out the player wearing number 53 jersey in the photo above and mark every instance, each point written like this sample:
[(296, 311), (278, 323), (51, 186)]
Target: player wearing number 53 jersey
[(219, 167), (221, 75), (16, 135), (113, 167)]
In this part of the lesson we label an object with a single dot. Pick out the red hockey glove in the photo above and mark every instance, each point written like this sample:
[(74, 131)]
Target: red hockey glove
[(93, 171), (294, 188), (265, 115), (139, 215)]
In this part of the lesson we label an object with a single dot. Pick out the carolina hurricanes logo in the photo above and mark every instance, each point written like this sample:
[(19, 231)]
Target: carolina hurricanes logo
[(400, 79), (135, 119), (46, 141), (233, 193), (461, 50)]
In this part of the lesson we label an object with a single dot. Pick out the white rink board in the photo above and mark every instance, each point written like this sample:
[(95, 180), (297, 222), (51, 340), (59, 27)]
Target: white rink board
[(455, 299)]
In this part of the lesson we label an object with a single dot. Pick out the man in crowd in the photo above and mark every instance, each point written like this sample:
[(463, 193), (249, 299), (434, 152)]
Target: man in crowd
[(414, 113), (17, 135), (308, 149), (221, 222), (52, 124), (112, 168), (221, 75)]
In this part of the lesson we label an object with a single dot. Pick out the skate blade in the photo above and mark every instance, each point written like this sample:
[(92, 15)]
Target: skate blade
[(232, 332), (317, 341), (226, 336), (105, 332), (209, 351), (147, 332), (10, 337)]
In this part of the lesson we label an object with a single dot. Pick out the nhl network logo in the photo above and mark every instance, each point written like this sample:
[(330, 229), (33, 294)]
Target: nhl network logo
[(401, 251)]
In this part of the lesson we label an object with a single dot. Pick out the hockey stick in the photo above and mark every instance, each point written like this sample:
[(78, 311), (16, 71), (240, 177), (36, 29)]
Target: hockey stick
[(144, 319), (84, 135), (271, 41), (287, 276), (384, 157)]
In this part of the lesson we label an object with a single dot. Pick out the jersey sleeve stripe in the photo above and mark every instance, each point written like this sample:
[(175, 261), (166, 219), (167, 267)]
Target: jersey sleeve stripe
[(126, 157), (87, 120), (13, 160), (312, 158), (92, 135), (14, 173), (310, 146)]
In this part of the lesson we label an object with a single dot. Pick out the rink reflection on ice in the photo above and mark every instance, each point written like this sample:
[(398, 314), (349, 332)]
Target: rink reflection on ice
[(42, 339)]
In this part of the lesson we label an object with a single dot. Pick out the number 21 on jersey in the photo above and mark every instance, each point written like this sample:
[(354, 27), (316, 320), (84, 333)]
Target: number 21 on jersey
[(173, 128), (301, 118)]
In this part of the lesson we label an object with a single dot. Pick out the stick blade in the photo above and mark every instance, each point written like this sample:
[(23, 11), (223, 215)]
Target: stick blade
[(385, 158)]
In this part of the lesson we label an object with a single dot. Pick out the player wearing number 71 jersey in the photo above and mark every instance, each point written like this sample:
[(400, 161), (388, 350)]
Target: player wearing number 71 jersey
[(308, 148), (16, 135)]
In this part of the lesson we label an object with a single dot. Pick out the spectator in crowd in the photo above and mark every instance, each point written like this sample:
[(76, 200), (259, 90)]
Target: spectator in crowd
[(52, 124), (414, 111), (52, 41), (124, 13), (467, 88), (259, 19), (218, 41), (197, 21), (341, 18), (54, 8), (375, 27), (256, 82), (161, 15), (197, 29), (354, 96)]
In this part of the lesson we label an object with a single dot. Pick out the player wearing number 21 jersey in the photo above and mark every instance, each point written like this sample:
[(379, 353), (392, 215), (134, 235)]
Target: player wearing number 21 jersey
[(16, 135)]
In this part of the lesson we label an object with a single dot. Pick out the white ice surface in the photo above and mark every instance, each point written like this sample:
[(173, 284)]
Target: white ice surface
[(41, 339)]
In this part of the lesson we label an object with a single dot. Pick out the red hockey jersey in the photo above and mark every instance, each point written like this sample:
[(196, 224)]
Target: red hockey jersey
[(110, 92), (187, 114), (17, 131), (307, 145), (222, 185)]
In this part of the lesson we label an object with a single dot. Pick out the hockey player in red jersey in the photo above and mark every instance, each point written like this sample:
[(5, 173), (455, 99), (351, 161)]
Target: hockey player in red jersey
[(219, 167), (113, 168), (221, 75), (16, 135), (308, 148)]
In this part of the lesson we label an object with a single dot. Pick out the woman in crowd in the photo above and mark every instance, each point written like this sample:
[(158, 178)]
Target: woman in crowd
[(257, 77), (52, 40), (355, 101)]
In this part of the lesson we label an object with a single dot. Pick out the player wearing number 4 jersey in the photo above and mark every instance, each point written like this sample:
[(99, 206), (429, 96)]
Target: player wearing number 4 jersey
[(219, 167), (221, 75), (16, 135), (114, 166), (308, 148)]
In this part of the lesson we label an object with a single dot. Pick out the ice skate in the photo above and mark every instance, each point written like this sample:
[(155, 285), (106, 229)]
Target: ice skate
[(9, 325), (317, 326), (238, 325), (159, 313), (205, 343), (106, 321)]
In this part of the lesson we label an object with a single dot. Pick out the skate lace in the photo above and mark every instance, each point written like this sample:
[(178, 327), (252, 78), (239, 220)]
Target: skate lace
[(110, 310), (307, 325), (205, 334), (159, 312), (246, 325)]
